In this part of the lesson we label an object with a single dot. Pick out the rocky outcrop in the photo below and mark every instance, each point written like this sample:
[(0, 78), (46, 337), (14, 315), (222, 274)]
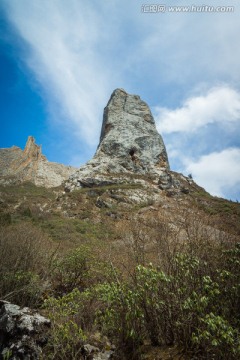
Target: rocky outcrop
[(17, 166), (129, 145), (22, 332)]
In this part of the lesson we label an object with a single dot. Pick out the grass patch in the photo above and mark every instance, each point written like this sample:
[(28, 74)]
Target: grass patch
[(74, 230), (214, 205), (26, 189)]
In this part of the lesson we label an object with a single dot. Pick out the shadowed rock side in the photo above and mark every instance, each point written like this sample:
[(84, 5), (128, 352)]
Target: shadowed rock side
[(129, 145), (17, 166)]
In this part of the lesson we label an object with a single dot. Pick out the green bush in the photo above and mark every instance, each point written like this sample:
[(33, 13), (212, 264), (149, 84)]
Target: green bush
[(72, 271), (216, 338), (187, 307), (67, 334), (120, 317)]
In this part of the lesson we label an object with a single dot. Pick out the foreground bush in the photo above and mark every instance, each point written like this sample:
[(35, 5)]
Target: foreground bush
[(24, 263), (193, 306), (67, 334)]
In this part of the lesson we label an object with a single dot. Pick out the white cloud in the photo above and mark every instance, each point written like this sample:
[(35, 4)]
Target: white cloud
[(219, 105), (217, 172), (202, 138)]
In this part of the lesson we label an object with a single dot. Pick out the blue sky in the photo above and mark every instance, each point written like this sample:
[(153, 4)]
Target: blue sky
[(61, 60)]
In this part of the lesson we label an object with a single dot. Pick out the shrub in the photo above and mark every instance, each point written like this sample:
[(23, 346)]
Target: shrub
[(120, 317), (24, 259), (72, 270), (152, 287), (67, 334), (216, 339)]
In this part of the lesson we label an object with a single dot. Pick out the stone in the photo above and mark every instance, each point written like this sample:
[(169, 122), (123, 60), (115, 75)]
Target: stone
[(129, 146), (165, 181), (18, 166), (91, 352), (22, 332), (100, 203)]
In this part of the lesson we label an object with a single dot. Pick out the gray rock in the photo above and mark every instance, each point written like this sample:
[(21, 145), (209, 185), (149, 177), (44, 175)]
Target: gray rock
[(22, 332), (93, 353), (165, 181), (129, 145), (100, 203)]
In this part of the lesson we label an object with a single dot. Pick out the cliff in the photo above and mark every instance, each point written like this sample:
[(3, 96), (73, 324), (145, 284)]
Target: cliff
[(18, 166)]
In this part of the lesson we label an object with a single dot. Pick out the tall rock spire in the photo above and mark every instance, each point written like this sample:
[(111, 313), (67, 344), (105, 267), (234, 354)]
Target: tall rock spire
[(129, 144), (129, 134)]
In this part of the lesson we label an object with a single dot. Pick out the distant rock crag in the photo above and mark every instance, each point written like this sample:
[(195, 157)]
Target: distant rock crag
[(17, 166), (129, 146)]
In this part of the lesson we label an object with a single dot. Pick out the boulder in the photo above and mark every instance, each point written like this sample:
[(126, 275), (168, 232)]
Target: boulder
[(23, 332)]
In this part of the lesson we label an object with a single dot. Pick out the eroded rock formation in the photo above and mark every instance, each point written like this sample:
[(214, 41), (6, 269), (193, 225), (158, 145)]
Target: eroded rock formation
[(129, 145), (17, 166)]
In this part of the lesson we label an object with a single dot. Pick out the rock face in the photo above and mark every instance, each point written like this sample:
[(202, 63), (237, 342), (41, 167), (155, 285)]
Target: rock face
[(17, 166), (22, 332), (129, 145)]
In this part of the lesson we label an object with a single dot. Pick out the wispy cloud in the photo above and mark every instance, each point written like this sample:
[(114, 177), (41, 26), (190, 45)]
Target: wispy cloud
[(62, 38)]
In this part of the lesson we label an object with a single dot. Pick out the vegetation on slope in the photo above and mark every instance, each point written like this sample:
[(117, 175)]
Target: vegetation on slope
[(137, 281)]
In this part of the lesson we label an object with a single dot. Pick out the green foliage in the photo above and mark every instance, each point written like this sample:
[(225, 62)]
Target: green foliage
[(74, 230), (67, 319), (73, 270), (7, 353), (217, 338), (185, 307), (28, 190), (188, 306), (152, 286), (120, 316)]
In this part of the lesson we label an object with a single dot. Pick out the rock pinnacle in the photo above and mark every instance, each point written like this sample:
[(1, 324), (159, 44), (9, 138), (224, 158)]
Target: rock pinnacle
[(129, 145)]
